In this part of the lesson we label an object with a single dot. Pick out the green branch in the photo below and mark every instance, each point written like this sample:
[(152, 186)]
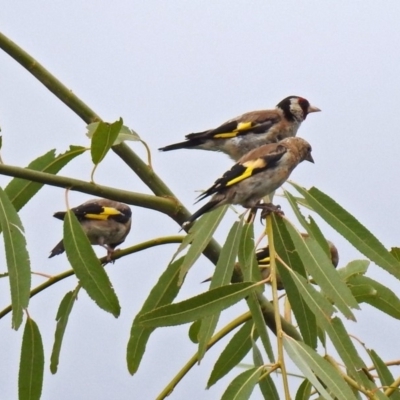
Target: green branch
[(115, 256), (54, 85), (164, 205), (215, 339)]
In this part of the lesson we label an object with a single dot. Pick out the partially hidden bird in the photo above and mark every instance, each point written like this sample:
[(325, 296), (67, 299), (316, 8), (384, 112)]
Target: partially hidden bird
[(253, 129), (255, 175), (263, 261), (105, 223)]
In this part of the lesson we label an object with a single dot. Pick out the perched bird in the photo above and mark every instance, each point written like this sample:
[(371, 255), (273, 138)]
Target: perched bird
[(105, 222), (257, 174), (239, 135), (263, 261)]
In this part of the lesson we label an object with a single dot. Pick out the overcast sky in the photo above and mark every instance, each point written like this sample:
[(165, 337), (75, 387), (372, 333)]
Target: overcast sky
[(168, 69)]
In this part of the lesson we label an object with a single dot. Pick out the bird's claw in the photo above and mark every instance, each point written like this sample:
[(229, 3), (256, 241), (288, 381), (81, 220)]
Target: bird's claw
[(268, 209)]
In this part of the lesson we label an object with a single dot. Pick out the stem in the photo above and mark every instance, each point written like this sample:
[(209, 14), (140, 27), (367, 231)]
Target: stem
[(144, 172), (394, 386), (164, 205), (349, 380), (54, 85), (279, 331), (115, 256), (186, 368)]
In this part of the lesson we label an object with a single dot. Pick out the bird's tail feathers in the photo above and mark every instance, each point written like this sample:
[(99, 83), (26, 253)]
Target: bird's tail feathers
[(57, 250), (176, 146), (207, 207), (59, 215)]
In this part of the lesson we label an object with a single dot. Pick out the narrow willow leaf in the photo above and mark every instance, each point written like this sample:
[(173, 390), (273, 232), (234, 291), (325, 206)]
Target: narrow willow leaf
[(64, 310), (287, 252), (321, 269), (353, 268), (310, 363), (317, 303), (246, 255), (233, 354), (395, 252), (348, 226), (304, 390), (266, 384), (124, 134), (243, 385), (381, 298), (259, 322), (163, 293), (18, 263), (347, 352), (361, 292), (103, 139), (203, 232), (222, 276), (384, 373), (31, 367), (198, 306), (311, 227), (87, 267), (257, 356), (268, 388), (194, 331), (20, 191)]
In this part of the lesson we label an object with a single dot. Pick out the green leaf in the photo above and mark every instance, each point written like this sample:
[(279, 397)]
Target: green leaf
[(395, 252), (124, 134), (194, 331), (266, 384), (384, 373), (246, 255), (243, 385), (31, 367), (321, 269), (20, 191), (316, 369), (304, 390), (198, 306), (103, 139), (233, 354), (311, 227), (317, 303), (348, 226), (287, 252), (353, 268), (380, 297), (222, 276), (202, 232), (346, 350), (259, 322), (164, 292), (268, 388), (18, 263), (62, 317), (87, 267)]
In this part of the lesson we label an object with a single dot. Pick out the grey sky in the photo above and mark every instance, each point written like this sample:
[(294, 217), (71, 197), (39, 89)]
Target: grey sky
[(171, 68)]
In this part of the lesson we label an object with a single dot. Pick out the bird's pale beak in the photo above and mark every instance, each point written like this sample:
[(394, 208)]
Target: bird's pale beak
[(309, 158), (312, 109)]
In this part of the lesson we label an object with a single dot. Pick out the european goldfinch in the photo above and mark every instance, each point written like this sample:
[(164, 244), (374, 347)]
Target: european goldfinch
[(239, 135), (105, 222), (255, 175), (264, 261)]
